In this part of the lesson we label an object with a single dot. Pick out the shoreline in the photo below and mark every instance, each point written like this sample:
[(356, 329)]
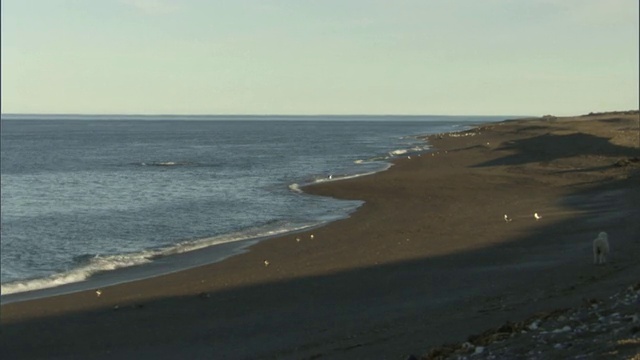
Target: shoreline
[(137, 262), (165, 264), (180, 261), (427, 259)]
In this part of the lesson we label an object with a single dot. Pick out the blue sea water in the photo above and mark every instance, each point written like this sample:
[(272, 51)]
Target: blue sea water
[(83, 195)]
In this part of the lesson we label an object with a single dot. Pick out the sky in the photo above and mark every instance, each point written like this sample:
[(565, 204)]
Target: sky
[(311, 57)]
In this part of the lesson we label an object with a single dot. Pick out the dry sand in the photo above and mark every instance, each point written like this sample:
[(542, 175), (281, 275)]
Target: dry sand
[(429, 259)]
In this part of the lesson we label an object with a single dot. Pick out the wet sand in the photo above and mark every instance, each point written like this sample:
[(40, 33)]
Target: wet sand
[(427, 259)]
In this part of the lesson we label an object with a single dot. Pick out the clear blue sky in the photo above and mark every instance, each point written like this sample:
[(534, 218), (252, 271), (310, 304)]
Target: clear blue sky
[(454, 57)]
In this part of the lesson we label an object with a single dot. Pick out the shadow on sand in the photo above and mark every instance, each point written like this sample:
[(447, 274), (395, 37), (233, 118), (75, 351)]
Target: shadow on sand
[(550, 147)]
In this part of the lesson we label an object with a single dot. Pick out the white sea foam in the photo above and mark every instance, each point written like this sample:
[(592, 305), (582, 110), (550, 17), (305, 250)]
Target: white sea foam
[(166, 163), (95, 264), (76, 275), (295, 188), (81, 273), (348, 176), (48, 282), (267, 231), (398, 152), (408, 151)]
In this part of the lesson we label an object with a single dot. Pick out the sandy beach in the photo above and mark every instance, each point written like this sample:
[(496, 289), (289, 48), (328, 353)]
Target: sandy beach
[(428, 259)]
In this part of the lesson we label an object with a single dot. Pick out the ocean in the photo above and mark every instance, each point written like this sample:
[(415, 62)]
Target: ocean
[(84, 197)]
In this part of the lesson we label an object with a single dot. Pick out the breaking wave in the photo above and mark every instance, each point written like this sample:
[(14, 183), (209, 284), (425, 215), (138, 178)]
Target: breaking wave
[(90, 264)]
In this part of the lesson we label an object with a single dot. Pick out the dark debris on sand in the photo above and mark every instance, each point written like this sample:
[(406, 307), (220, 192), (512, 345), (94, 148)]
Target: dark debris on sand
[(598, 329)]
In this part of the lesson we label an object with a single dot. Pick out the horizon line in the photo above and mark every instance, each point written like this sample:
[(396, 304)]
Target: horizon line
[(255, 115)]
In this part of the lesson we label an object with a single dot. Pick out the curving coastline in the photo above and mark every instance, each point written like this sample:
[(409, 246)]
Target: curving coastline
[(427, 259)]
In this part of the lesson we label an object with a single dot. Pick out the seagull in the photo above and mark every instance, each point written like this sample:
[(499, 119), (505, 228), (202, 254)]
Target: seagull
[(311, 236), (266, 263), (409, 157), (98, 292), (506, 218), (298, 239), (538, 217)]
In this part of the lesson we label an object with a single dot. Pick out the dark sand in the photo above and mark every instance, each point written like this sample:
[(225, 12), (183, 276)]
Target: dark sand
[(427, 260)]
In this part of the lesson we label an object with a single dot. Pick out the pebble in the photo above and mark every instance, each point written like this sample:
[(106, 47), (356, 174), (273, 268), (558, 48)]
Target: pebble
[(564, 329), (534, 325)]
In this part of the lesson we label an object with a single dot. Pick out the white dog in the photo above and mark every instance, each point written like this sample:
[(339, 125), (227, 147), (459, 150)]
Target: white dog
[(601, 248)]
